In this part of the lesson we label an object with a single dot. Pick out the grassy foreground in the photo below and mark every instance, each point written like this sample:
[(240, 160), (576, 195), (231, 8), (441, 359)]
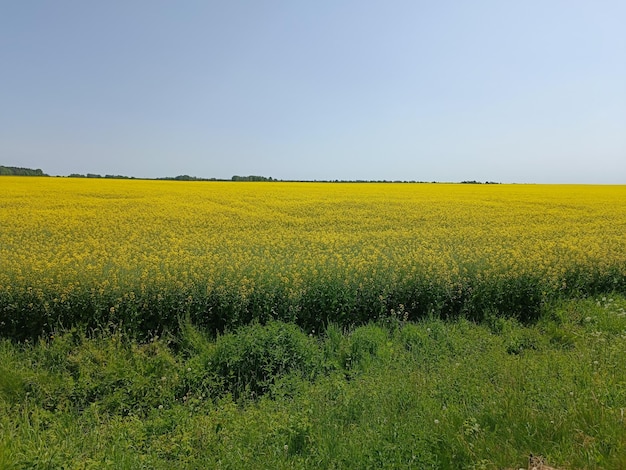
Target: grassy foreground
[(392, 394)]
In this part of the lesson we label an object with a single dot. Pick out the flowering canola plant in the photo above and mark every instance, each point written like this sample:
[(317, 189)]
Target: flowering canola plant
[(143, 254)]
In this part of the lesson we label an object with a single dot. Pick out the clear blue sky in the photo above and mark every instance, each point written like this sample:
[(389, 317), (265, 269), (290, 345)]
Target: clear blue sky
[(512, 91)]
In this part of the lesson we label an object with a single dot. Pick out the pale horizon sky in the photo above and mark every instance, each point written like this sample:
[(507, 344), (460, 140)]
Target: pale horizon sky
[(525, 92)]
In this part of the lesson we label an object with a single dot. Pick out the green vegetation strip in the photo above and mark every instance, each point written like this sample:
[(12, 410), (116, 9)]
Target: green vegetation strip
[(391, 394)]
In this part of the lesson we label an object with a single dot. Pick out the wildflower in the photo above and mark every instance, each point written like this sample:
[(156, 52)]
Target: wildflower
[(117, 251)]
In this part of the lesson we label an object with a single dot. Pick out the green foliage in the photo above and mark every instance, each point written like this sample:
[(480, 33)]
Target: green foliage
[(248, 362), (188, 178), (366, 343), (521, 342), (70, 371), (251, 178), (32, 312), (427, 394), (11, 384), (18, 171)]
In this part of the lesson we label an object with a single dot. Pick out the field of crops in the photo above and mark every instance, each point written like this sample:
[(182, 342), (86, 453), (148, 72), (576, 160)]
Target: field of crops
[(143, 254)]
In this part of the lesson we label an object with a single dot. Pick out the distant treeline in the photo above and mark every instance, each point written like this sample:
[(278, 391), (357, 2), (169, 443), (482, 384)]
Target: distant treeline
[(17, 171), (478, 182), (234, 178), (251, 178), (188, 178), (264, 178), (94, 175)]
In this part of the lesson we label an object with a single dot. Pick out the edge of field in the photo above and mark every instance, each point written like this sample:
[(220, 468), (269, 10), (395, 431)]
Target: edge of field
[(395, 393)]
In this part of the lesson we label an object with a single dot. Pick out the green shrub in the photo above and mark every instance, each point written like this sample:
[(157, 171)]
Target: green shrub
[(248, 362), (414, 337), (366, 343)]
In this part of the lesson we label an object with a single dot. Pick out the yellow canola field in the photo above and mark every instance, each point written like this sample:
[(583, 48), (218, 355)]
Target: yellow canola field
[(119, 239)]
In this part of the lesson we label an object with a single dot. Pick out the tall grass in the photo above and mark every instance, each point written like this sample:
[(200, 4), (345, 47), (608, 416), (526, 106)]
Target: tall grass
[(389, 394)]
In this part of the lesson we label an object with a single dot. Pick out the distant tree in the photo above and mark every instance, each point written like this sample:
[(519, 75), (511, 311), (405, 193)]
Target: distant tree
[(251, 178), (118, 177), (187, 178), (18, 171)]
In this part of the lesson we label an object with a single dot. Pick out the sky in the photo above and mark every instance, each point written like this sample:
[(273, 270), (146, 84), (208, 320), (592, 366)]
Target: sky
[(527, 91)]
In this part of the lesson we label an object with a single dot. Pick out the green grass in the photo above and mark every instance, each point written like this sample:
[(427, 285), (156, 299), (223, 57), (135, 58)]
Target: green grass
[(391, 394)]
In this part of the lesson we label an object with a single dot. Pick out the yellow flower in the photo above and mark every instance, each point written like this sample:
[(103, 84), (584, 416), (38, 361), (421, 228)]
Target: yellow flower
[(139, 242)]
